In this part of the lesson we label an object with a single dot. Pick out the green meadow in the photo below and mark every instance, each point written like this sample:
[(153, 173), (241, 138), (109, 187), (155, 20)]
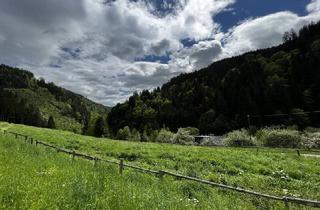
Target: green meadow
[(40, 178)]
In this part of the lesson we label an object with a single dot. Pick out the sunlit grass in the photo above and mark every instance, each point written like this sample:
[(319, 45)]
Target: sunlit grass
[(34, 177)]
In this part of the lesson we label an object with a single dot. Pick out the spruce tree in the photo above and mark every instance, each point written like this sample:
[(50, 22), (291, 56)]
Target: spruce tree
[(99, 127), (51, 124)]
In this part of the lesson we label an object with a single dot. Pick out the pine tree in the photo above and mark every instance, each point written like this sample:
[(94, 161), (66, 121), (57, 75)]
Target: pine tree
[(99, 127), (51, 124)]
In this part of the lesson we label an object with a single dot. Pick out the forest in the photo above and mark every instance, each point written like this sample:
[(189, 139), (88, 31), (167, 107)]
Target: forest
[(27, 100), (282, 81)]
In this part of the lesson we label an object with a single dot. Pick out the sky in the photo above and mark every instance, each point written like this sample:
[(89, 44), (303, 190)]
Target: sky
[(107, 49)]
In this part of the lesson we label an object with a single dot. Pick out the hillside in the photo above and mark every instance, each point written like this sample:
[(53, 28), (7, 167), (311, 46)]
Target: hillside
[(217, 99), (27, 100), (30, 170)]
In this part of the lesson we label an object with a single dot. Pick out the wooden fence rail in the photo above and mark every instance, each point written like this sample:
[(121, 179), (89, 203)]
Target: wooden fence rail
[(161, 173)]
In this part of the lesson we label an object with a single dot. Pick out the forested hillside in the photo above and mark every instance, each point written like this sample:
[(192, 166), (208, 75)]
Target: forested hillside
[(27, 100), (279, 80)]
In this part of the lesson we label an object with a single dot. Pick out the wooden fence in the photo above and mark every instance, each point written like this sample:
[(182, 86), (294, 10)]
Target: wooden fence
[(161, 173)]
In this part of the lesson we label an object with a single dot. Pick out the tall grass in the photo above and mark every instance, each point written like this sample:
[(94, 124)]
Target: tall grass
[(34, 177)]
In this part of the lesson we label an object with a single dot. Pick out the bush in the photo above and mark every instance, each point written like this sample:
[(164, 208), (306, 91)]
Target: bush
[(312, 130), (124, 133), (135, 135), (190, 131), (312, 140), (153, 136), (165, 136), (281, 138), (144, 136), (239, 138), (183, 136)]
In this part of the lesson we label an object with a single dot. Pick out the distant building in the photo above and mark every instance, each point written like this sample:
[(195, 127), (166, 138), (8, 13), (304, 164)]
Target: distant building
[(209, 140)]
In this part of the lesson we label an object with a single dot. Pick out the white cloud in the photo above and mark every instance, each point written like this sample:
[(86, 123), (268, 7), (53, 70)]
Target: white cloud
[(260, 32), (198, 56), (314, 6), (263, 32), (90, 47), (92, 42)]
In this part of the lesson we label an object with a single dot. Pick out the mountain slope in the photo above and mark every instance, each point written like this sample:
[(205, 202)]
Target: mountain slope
[(216, 99), (24, 99)]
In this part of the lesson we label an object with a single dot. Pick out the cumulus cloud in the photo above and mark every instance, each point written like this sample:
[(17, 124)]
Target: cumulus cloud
[(161, 48), (260, 32), (198, 56), (32, 30), (146, 75), (263, 32), (87, 45), (314, 6), (91, 46)]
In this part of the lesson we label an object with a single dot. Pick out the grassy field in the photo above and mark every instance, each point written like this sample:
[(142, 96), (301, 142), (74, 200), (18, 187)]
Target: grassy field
[(35, 177)]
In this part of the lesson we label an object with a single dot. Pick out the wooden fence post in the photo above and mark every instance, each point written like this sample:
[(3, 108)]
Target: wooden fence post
[(298, 152), (25, 138), (95, 161), (73, 155), (121, 166), (161, 174), (286, 203)]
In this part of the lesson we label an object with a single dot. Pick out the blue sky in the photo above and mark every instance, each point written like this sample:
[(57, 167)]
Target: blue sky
[(107, 49), (235, 13), (244, 9)]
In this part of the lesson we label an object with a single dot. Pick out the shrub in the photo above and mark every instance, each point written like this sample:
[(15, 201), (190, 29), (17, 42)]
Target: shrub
[(153, 136), (281, 138), (144, 136), (312, 140), (135, 135), (165, 136), (183, 136), (124, 133), (312, 130), (206, 142), (190, 131), (239, 138)]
